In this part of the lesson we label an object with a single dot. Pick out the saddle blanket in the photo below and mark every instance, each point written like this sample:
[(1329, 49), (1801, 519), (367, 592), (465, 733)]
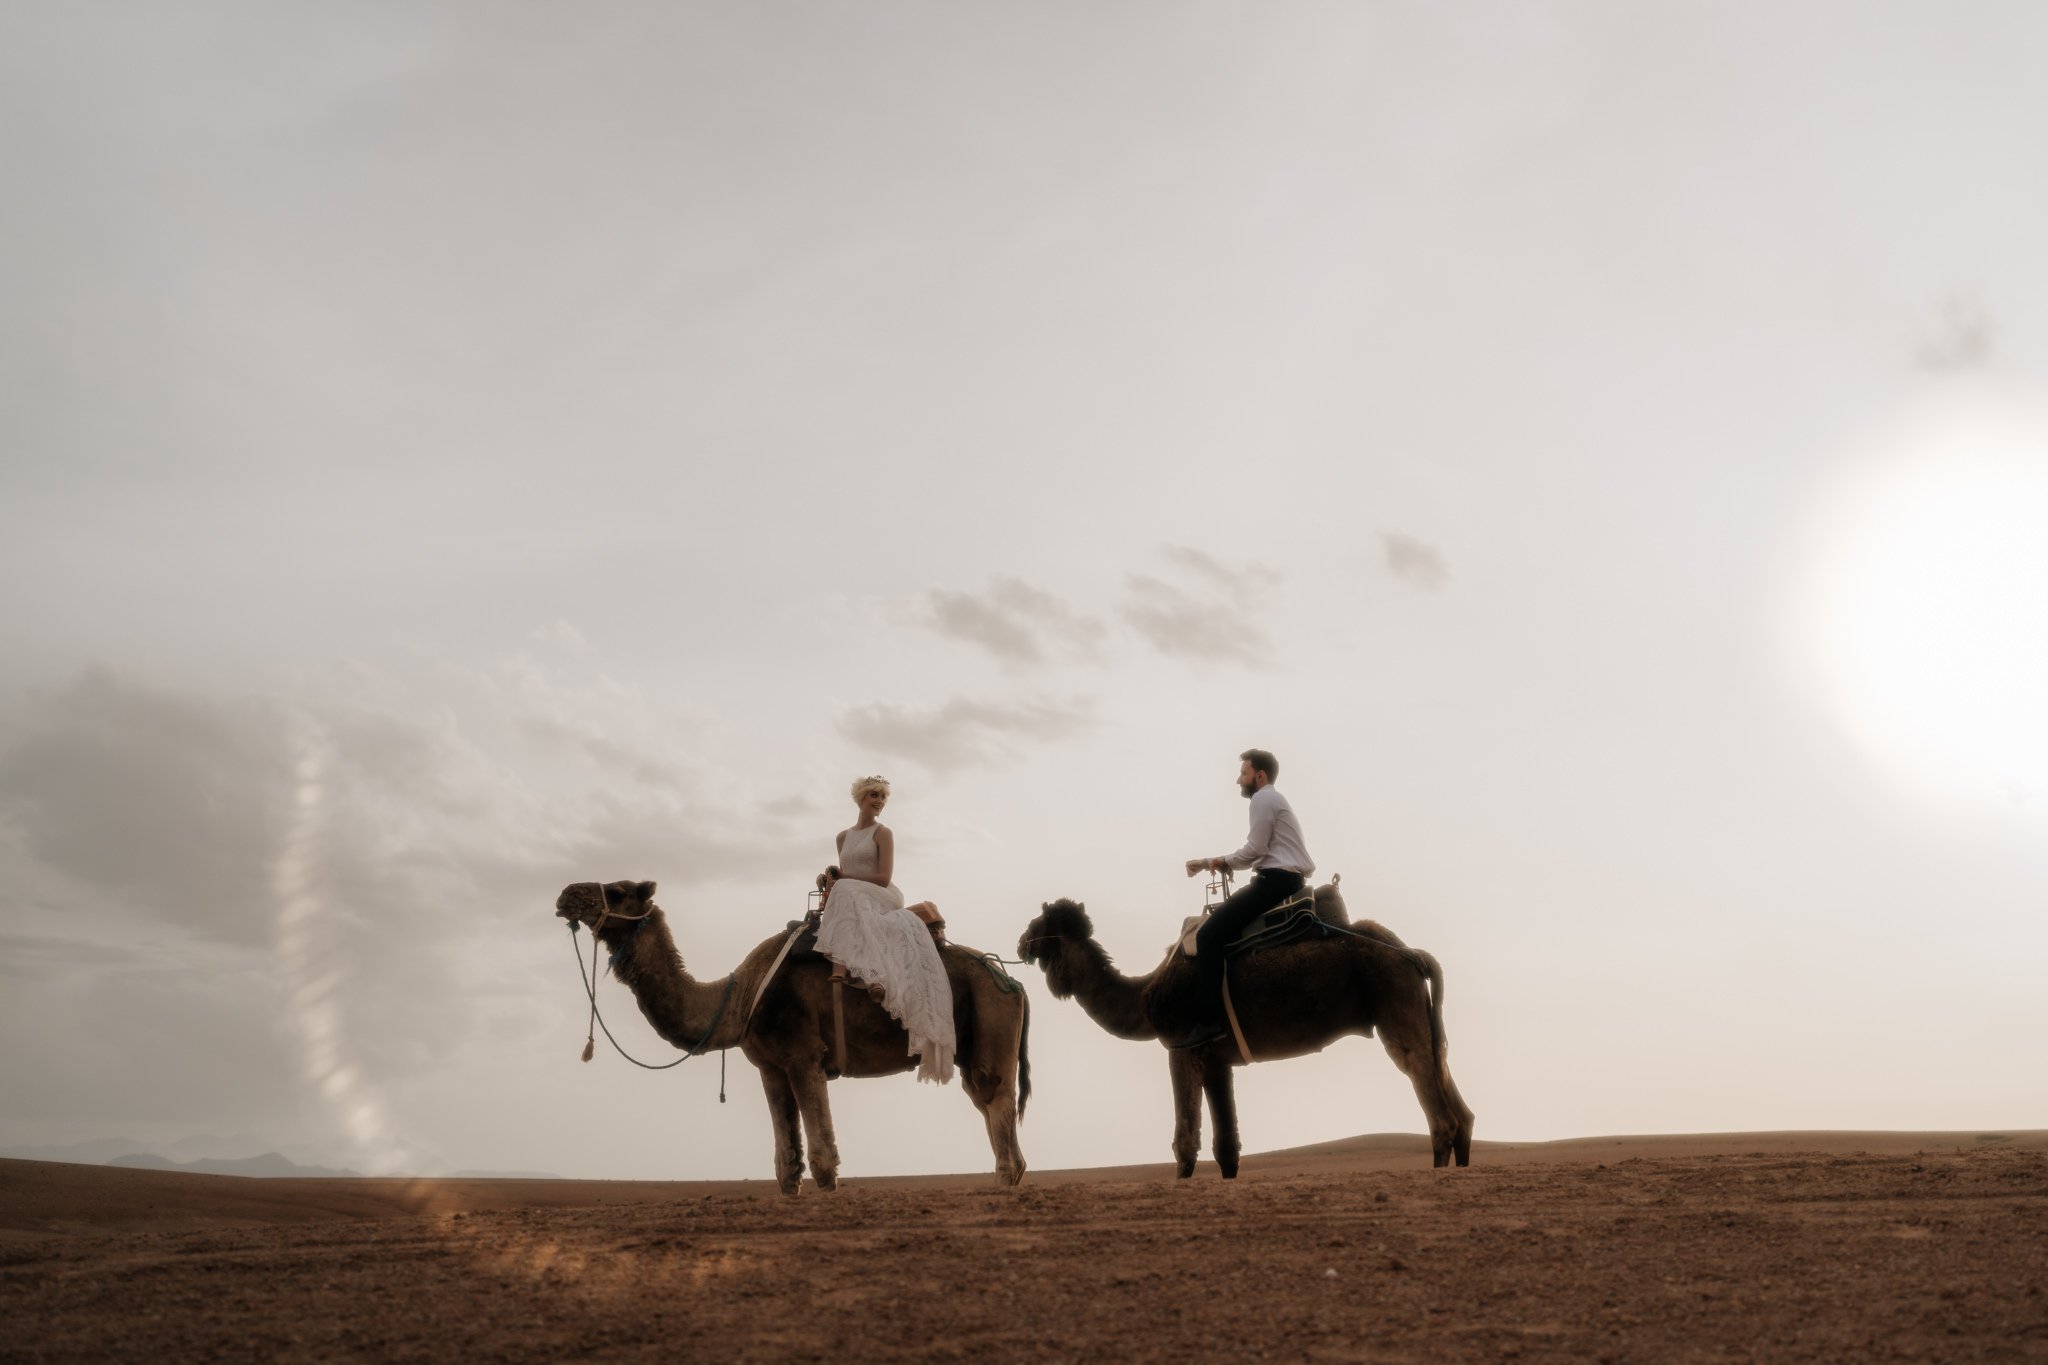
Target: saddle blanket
[(1291, 920)]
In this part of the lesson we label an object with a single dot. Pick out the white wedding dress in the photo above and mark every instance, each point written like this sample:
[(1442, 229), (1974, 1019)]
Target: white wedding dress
[(866, 928)]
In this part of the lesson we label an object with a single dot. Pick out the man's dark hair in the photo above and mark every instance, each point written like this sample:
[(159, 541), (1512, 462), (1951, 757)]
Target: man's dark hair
[(1262, 762)]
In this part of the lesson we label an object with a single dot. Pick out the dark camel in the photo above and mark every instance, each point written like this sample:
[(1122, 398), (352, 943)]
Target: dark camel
[(1291, 1000), (790, 1035)]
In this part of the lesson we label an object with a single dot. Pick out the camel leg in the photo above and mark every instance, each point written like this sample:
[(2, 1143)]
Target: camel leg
[(1222, 1092), (1186, 1070), (1407, 1042), (990, 1032), (995, 1096), (1461, 1142), (789, 1141), (809, 1084)]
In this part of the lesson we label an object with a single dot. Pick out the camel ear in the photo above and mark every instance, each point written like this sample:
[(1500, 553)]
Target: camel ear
[(1045, 905), (645, 891)]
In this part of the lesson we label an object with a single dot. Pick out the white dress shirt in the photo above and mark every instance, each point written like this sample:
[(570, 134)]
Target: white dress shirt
[(1275, 840)]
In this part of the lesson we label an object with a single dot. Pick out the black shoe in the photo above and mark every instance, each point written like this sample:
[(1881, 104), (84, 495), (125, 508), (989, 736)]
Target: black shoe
[(1201, 1035)]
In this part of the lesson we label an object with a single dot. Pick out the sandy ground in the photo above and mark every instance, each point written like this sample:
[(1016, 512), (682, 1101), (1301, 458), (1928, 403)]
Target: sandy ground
[(1766, 1246)]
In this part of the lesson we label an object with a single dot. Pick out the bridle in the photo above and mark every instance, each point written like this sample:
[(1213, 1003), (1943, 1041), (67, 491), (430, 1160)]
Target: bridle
[(607, 914)]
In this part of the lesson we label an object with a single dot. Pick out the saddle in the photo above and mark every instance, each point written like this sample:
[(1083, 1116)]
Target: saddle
[(805, 949), (1291, 921), (932, 919)]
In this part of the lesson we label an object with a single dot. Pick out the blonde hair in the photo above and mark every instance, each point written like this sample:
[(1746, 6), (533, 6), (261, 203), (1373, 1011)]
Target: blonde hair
[(863, 785)]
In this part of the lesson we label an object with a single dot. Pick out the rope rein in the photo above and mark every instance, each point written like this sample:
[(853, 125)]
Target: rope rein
[(597, 1018), (1007, 984), (993, 962)]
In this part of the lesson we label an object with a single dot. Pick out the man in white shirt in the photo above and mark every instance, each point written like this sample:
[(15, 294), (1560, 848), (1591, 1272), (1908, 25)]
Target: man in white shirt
[(1281, 865)]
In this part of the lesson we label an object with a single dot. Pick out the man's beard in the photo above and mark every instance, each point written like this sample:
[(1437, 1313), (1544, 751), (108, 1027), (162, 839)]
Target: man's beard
[(1247, 789)]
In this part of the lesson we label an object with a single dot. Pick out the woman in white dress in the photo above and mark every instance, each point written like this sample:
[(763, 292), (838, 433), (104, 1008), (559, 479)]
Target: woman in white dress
[(869, 935)]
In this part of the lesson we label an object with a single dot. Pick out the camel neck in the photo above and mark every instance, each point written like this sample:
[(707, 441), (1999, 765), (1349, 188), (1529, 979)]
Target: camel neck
[(700, 1015), (1111, 999)]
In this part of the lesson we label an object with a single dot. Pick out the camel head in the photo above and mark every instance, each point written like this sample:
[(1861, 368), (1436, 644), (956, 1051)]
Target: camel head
[(628, 902), (1056, 920), (1059, 922)]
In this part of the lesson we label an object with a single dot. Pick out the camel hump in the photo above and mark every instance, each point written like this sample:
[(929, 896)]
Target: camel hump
[(1329, 902)]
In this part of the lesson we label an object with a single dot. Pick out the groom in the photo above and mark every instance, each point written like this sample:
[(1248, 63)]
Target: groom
[(1276, 850)]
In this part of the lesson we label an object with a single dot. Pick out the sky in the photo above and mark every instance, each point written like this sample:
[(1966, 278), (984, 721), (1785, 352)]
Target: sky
[(448, 453)]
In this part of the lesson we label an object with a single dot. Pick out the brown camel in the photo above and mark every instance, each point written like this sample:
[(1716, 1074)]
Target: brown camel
[(790, 1034), (1291, 1000)]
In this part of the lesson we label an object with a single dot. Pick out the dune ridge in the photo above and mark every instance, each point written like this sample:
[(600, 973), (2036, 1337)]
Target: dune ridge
[(39, 1198)]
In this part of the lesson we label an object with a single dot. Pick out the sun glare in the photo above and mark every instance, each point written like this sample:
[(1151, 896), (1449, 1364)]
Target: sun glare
[(1932, 617)]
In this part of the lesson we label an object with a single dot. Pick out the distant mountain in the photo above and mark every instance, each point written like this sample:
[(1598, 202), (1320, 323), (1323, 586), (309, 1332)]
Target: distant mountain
[(95, 1153), (102, 1151), (209, 1154), (268, 1164), (209, 1147)]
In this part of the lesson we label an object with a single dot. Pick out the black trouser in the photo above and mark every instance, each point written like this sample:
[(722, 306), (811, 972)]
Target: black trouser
[(1264, 891)]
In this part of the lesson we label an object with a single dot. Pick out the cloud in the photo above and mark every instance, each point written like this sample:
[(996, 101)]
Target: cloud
[(38, 956), (790, 807), (163, 803), (559, 634), (605, 753), (1959, 339), (1214, 616), (1017, 623), (1206, 566), (1414, 562), (962, 733), (353, 870)]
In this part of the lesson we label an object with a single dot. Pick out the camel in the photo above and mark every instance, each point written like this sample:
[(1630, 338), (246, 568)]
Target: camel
[(790, 1035), (1291, 1000)]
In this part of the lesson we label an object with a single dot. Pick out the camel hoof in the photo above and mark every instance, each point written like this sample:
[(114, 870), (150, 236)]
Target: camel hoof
[(828, 1181)]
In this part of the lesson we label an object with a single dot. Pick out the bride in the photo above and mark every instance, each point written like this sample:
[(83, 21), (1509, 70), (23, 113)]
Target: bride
[(869, 935)]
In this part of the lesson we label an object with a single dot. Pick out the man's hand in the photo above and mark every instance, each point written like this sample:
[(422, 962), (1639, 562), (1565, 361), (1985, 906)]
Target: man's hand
[(1201, 865)]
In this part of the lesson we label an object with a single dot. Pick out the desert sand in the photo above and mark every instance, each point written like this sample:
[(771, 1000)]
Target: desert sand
[(1782, 1246)]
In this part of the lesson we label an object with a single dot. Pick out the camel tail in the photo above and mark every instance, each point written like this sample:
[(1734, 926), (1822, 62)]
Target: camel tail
[(1024, 1061), (1427, 965)]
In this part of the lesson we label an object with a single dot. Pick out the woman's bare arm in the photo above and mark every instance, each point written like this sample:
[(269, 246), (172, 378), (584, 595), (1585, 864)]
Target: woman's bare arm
[(885, 855), (831, 874)]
